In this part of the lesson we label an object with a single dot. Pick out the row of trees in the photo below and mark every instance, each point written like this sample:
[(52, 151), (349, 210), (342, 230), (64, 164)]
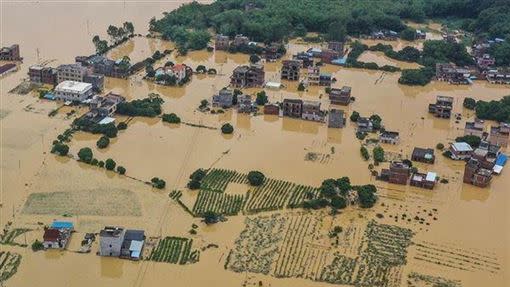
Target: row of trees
[(280, 19), (117, 35), (87, 156)]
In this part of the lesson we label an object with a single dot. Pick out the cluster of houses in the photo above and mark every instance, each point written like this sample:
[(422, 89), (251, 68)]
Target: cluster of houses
[(272, 52), (401, 173), (485, 67), (113, 241)]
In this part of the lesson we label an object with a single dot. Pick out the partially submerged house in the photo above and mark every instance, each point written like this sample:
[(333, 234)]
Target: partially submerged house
[(240, 40), (73, 91), (336, 46), (57, 235), (475, 128), (305, 58), (340, 96), (452, 74), (425, 155), (389, 137), (500, 135), (398, 173), (10, 53), (271, 109), (105, 106), (292, 108), (274, 51), (248, 76), (43, 75), (365, 125), (311, 111), (221, 42), (290, 70), (460, 150), (325, 79), (313, 76), (110, 241), (245, 104), (328, 55), (423, 180), (442, 108), (475, 174), (133, 243), (336, 118), (223, 99), (498, 76)]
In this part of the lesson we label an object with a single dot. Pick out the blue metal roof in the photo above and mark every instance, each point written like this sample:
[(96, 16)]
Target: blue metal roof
[(62, 225), (501, 159)]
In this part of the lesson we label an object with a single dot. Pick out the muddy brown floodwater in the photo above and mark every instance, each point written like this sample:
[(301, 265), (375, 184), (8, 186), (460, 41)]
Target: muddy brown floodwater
[(469, 220)]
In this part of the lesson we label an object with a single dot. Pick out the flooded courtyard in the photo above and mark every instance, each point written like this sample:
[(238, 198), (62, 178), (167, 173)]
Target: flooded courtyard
[(463, 238)]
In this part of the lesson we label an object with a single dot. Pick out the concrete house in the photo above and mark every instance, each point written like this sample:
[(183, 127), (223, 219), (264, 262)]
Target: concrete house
[(325, 79), (442, 108), (10, 53), (398, 173), (340, 96), (78, 73), (290, 70), (461, 150), (337, 47), (73, 91), (328, 55), (389, 137), (313, 76), (110, 241), (42, 75), (292, 108), (475, 128), (271, 109), (500, 135), (245, 104), (273, 52), (105, 106), (425, 155), (476, 175), (305, 58), (311, 111), (221, 42), (422, 180), (365, 125), (499, 76), (133, 243), (248, 76), (223, 99), (336, 118)]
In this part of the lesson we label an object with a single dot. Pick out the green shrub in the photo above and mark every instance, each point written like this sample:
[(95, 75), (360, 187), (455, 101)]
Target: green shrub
[(227, 128), (171, 118), (103, 142), (110, 164), (469, 103), (440, 146), (354, 116), (158, 183), (85, 154), (256, 178), (60, 149), (37, 245), (122, 126), (121, 169)]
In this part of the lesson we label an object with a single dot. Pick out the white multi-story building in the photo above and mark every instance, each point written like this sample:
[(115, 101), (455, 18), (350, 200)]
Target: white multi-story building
[(73, 91)]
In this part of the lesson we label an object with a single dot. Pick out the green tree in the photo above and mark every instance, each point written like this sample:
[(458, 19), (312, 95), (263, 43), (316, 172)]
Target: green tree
[(473, 141), (85, 154), (469, 103), (122, 126), (121, 169), (201, 69), (301, 87), (37, 245), (354, 116), (409, 34), (227, 128), (378, 154), (254, 58), (158, 183), (60, 149), (261, 98), (103, 142), (171, 118), (256, 178), (211, 217), (110, 164), (338, 202), (367, 196), (364, 153)]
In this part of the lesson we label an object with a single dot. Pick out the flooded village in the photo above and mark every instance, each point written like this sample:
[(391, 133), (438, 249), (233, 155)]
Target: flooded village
[(130, 158)]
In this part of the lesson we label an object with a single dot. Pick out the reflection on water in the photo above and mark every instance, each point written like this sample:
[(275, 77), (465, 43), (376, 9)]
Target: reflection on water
[(299, 125), (472, 193), (111, 267)]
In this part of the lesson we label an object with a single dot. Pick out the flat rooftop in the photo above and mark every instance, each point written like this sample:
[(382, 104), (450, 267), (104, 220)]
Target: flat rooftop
[(73, 87)]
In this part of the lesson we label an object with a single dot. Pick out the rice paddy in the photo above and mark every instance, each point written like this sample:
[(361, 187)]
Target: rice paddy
[(10, 236), (9, 263)]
